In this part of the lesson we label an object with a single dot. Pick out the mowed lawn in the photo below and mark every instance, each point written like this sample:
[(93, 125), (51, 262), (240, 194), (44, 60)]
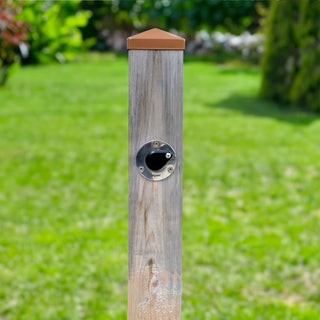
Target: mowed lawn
[(251, 217)]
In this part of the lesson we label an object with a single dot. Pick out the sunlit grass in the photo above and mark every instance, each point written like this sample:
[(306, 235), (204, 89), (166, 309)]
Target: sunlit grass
[(251, 196)]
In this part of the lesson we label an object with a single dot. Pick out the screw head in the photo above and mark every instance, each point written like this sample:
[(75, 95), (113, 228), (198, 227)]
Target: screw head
[(155, 144), (141, 169), (168, 155), (170, 169)]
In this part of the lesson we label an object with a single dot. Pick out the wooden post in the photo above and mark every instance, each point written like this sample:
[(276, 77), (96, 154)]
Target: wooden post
[(155, 175)]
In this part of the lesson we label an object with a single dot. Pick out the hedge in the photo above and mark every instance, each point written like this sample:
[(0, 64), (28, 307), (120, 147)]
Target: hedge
[(291, 63)]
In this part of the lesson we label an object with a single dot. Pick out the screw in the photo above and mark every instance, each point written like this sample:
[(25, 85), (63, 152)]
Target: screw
[(141, 169), (168, 155), (155, 144), (170, 169)]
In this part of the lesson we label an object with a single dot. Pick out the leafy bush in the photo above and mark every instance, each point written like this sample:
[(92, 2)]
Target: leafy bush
[(291, 64), (54, 29), (12, 34)]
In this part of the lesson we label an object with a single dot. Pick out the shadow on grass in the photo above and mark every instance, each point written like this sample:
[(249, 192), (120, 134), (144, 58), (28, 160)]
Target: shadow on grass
[(254, 106)]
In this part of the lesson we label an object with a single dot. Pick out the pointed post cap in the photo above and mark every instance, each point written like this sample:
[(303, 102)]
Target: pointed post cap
[(154, 39)]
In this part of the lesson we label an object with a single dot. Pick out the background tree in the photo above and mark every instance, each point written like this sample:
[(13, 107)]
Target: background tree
[(193, 15), (106, 18), (291, 64), (186, 16)]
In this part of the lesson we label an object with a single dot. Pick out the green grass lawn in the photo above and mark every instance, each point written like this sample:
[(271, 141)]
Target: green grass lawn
[(251, 217)]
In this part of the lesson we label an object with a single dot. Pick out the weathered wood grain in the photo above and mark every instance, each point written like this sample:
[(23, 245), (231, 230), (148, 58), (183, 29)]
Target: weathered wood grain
[(155, 208)]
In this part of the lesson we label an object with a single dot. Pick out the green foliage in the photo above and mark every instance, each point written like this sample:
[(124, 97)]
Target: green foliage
[(106, 17), (54, 29), (192, 15), (251, 211), (184, 15), (305, 88), (291, 64)]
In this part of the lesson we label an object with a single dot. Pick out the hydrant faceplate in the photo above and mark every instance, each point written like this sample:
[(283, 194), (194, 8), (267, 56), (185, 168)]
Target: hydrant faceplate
[(156, 160)]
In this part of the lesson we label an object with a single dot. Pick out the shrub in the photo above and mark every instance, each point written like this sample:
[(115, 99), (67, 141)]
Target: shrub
[(12, 34), (54, 29), (291, 63)]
